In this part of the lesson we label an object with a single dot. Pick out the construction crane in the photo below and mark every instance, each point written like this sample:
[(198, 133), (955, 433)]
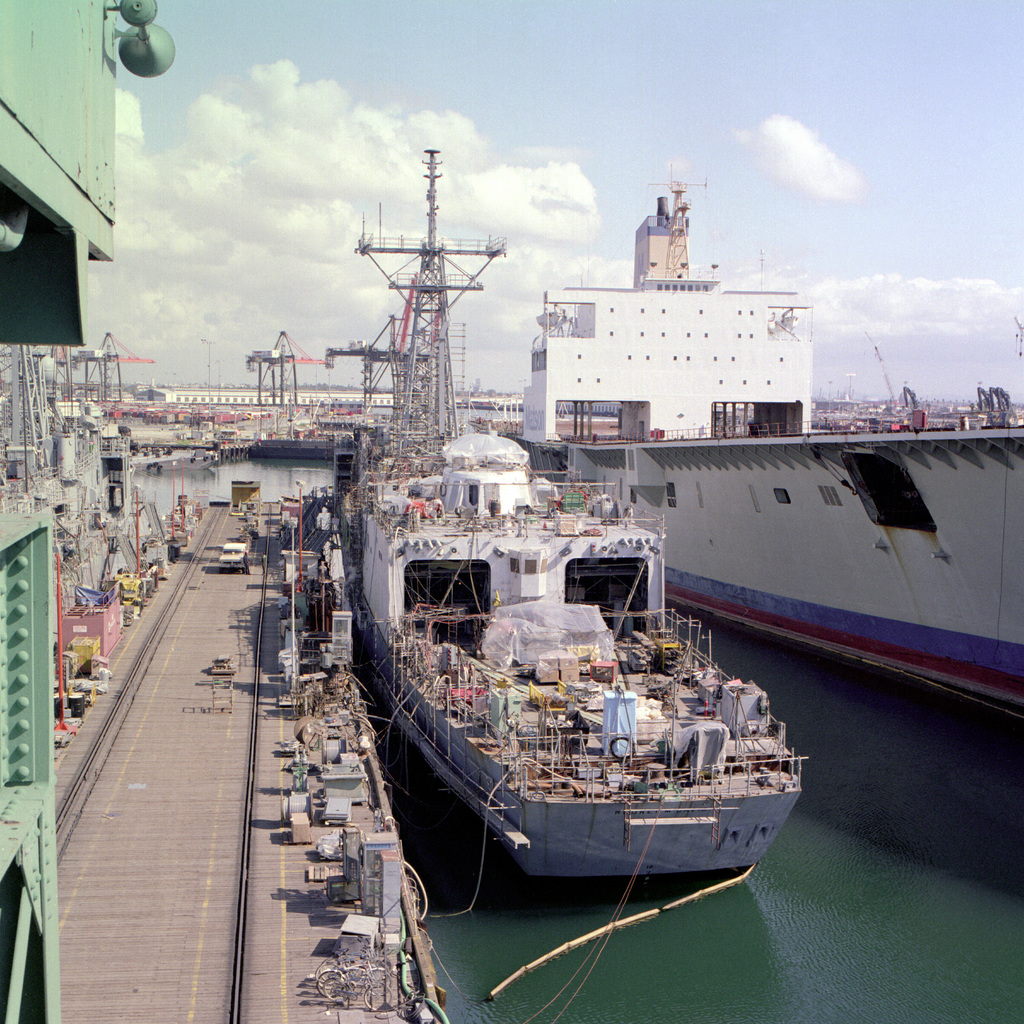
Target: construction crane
[(425, 416), (100, 367), (376, 361), (888, 383)]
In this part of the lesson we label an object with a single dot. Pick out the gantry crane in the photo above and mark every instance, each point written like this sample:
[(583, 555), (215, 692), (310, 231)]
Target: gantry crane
[(376, 361), (276, 362), (424, 416), (100, 365)]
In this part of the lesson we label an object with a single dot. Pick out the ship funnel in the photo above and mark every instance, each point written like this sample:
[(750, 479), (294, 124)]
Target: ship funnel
[(662, 207)]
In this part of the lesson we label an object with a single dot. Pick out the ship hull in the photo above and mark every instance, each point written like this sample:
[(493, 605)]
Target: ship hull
[(788, 536), (580, 838)]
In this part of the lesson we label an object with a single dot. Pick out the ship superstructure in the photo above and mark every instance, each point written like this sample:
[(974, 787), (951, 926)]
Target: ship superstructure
[(62, 455), (678, 352)]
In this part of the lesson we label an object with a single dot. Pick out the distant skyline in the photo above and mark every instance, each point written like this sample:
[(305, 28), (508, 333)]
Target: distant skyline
[(864, 155)]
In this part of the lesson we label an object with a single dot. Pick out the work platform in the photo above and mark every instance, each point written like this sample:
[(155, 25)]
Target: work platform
[(149, 880)]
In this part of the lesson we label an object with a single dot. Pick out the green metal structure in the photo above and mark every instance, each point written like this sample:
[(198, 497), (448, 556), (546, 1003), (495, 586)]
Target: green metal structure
[(57, 77), (58, 61), (29, 962)]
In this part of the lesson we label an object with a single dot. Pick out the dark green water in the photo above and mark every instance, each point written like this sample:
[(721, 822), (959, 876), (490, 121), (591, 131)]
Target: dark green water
[(894, 892)]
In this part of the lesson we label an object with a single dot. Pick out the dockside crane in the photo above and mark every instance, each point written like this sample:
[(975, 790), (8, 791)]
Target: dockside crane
[(885, 373), (101, 365), (376, 361), (276, 363)]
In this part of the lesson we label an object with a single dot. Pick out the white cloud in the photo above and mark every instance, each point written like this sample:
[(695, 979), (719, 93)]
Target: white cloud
[(941, 337), (793, 156), (249, 226)]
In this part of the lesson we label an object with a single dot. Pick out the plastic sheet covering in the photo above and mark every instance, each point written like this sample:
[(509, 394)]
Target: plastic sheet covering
[(284, 658), (744, 708), (85, 595), (699, 744), (526, 632), (330, 846), (479, 450)]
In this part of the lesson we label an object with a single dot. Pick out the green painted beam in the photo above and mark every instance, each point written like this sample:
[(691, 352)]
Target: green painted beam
[(29, 960)]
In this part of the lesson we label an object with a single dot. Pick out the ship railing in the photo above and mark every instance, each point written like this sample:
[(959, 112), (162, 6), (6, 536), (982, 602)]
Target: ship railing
[(804, 428)]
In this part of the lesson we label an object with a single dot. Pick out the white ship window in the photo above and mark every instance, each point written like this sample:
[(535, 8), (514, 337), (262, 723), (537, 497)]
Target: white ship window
[(632, 496), (579, 380), (579, 355), (751, 335), (670, 493), (739, 312), (641, 334), (628, 358), (782, 496), (663, 334), (753, 497), (663, 311), (734, 359), (700, 312), (648, 359), (687, 358), (751, 312), (474, 494), (744, 382), (611, 334), (513, 563), (641, 310), (705, 334), (714, 359)]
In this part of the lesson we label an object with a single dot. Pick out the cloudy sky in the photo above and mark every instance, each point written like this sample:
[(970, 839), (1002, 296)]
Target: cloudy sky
[(867, 155)]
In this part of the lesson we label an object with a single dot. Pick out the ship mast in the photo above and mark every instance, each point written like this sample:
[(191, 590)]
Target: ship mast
[(678, 262), (424, 417)]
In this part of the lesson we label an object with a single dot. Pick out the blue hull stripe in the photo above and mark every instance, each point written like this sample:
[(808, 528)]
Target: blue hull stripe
[(939, 652)]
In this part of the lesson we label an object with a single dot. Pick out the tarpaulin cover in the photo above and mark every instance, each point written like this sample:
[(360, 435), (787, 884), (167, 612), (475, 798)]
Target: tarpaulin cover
[(526, 632), (85, 595), (702, 743), (477, 450)]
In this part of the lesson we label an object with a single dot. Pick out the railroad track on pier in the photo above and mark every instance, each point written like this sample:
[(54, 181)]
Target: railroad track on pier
[(242, 909), (70, 810)]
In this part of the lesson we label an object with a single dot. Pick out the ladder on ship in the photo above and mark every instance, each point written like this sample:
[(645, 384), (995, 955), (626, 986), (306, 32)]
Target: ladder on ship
[(716, 822)]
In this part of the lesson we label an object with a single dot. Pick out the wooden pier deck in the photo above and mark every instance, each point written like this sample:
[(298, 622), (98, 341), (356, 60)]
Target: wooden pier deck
[(149, 880)]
